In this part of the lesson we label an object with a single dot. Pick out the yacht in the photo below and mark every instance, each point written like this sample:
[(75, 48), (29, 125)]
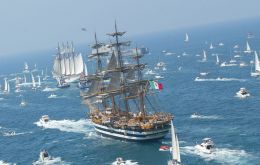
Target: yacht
[(44, 119), (44, 155), (206, 146), (242, 93), (120, 161)]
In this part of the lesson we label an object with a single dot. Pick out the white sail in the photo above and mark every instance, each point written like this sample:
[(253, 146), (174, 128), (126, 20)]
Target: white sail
[(85, 69), (67, 66), (42, 72), (33, 81), (26, 67), (24, 78), (39, 81), (211, 46), (248, 49), (217, 59), (56, 66), (257, 64), (186, 38), (6, 85), (175, 146), (63, 68), (204, 56), (72, 66), (79, 64)]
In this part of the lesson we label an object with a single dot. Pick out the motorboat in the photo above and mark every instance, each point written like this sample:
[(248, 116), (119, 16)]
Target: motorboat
[(150, 72), (195, 115), (242, 64), (44, 155), (242, 93), (206, 146), (120, 161), (44, 119), (10, 133), (52, 96), (158, 77)]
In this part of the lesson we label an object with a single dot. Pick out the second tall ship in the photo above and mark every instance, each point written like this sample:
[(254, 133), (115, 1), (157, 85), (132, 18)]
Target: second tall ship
[(119, 97)]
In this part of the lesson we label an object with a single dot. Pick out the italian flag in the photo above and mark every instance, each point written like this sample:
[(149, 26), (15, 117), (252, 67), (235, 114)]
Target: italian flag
[(155, 85)]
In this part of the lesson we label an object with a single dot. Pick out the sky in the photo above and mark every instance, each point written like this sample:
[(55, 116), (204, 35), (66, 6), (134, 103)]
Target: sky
[(34, 25)]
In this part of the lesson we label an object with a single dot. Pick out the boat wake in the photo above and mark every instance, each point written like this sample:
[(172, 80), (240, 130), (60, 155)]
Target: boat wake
[(52, 161), (4, 163), (220, 155), (47, 89), (80, 126), (213, 117), (219, 79), (127, 162), (13, 133)]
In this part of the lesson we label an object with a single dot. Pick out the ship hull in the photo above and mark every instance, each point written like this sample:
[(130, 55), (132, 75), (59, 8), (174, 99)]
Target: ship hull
[(131, 135)]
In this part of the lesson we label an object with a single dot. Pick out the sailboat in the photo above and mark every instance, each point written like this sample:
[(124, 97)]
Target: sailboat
[(176, 157), (248, 49), (46, 74), (217, 60), (211, 46), (39, 81), (186, 37), (33, 82), (257, 66), (204, 59), (67, 64), (6, 87), (26, 68), (119, 97), (84, 83)]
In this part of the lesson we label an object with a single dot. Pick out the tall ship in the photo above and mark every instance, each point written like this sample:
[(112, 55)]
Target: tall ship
[(119, 97), (67, 65)]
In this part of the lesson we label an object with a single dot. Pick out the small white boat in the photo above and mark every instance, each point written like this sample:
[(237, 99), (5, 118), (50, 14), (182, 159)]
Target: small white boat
[(211, 46), (150, 72), (44, 155), (236, 47), (23, 103), (232, 61), (206, 146), (120, 161), (44, 119), (158, 77), (160, 64), (242, 93), (220, 44), (204, 73), (237, 56), (225, 64), (52, 96), (242, 64), (195, 115)]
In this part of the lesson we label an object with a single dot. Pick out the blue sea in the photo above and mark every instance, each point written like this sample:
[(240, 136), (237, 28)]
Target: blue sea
[(232, 123)]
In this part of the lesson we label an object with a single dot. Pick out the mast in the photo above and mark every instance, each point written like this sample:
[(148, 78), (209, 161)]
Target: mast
[(120, 62)]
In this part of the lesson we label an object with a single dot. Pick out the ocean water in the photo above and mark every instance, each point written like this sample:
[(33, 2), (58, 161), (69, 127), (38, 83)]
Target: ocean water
[(69, 137)]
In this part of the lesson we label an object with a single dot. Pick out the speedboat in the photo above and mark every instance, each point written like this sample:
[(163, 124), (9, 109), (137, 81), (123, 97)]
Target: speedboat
[(195, 115), (120, 161), (164, 148), (44, 155), (44, 119), (11, 133), (242, 93), (52, 96), (206, 146)]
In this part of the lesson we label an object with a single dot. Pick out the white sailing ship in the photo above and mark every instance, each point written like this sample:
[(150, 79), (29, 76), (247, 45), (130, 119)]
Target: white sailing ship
[(6, 87), (68, 64)]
